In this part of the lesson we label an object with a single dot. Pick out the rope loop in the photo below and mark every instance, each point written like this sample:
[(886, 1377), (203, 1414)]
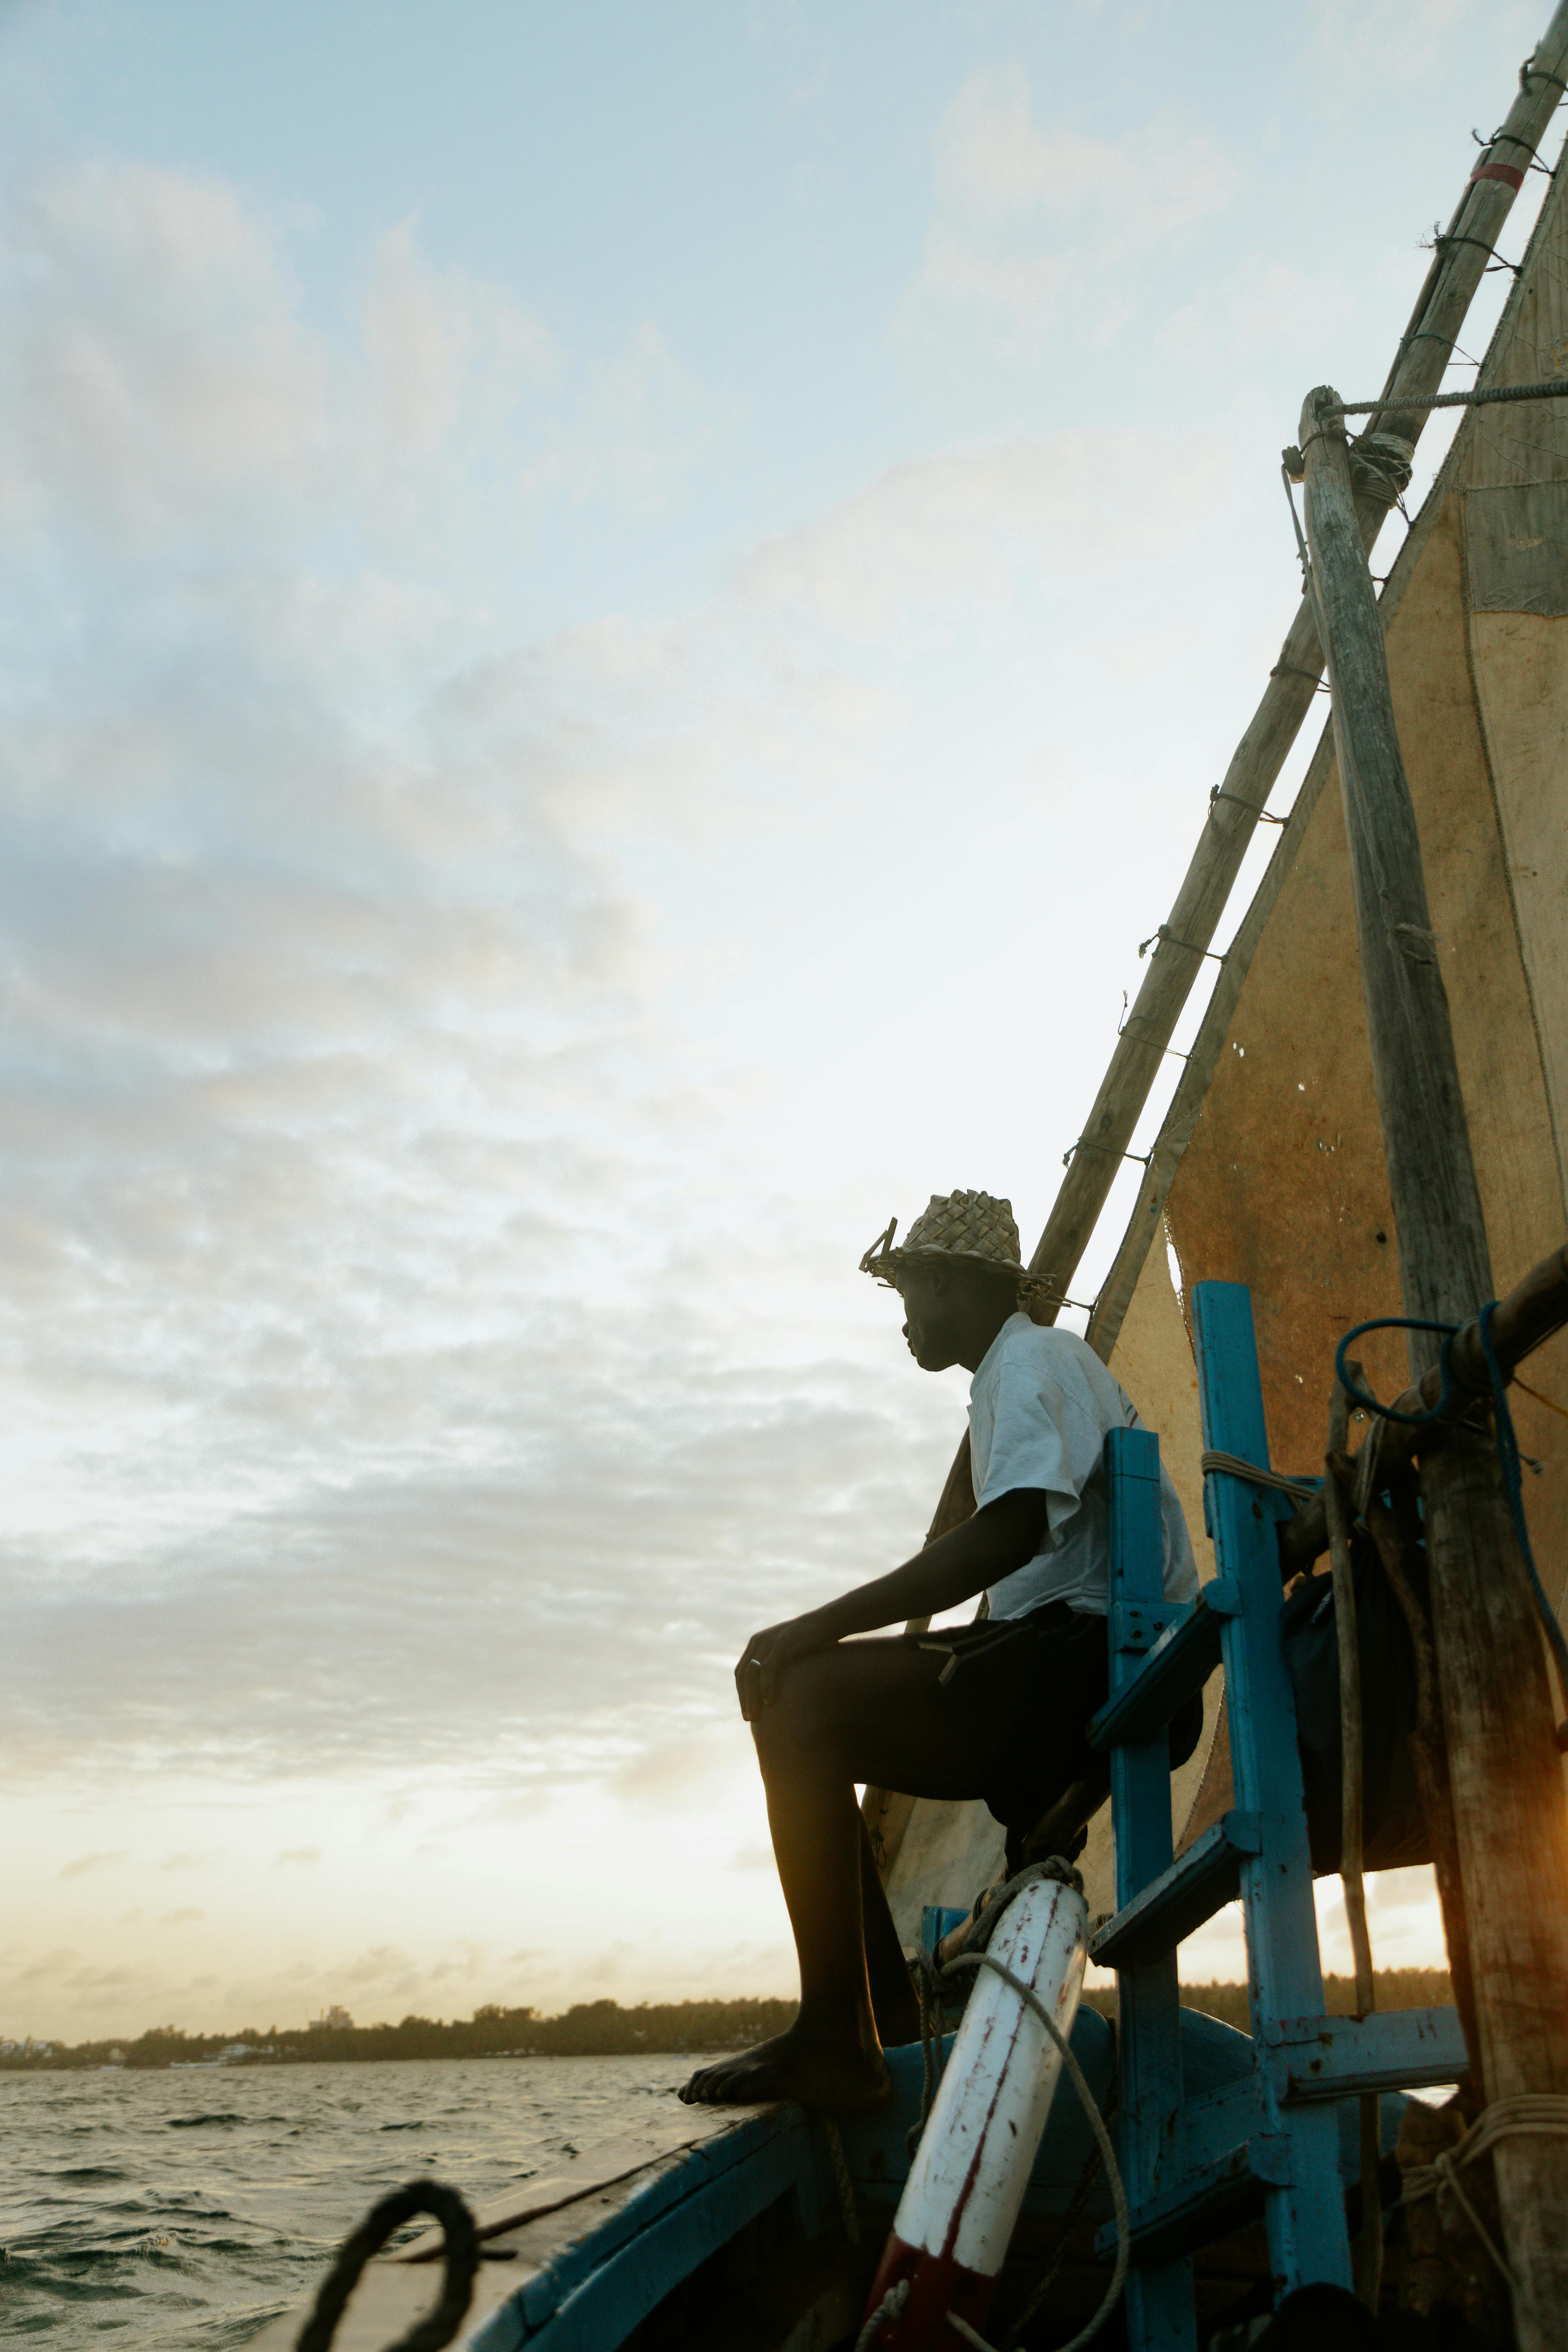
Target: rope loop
[(1368, 1403), (891, 2308), (1534, 2113), (461, 2252)]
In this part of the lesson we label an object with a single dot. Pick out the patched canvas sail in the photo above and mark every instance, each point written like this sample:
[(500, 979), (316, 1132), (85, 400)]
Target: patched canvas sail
[(1280, 1182)]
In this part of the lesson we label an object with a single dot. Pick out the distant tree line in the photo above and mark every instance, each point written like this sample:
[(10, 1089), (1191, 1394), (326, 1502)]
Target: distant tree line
[(1396, 1988), (597, 2028)]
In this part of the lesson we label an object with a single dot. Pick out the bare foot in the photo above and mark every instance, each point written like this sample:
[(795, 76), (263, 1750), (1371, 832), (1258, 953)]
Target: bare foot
[(793, 2065)]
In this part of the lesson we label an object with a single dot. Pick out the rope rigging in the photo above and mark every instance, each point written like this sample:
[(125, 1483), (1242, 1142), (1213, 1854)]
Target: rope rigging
[(460, 2253)]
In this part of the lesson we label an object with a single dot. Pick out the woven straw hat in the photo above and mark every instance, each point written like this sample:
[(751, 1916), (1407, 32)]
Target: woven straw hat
[(972, 1226)]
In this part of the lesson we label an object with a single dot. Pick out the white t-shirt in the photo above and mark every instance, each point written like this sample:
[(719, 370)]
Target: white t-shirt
[(1040, 1408)]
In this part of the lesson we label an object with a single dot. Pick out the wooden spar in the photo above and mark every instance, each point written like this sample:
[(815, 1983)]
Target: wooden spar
[(1115, 1294), (1188, 931), (1510, 1817)]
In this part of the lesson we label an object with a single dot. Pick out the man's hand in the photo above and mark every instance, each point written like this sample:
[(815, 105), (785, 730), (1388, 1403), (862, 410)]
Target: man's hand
[(996, 1540), (767, 1655)]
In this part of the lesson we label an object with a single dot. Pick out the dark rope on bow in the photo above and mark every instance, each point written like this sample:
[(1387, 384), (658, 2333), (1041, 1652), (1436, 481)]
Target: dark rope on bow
[(461, 2253)]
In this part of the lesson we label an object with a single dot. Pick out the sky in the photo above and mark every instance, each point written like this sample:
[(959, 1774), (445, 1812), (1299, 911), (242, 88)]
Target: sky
[(614, 622)]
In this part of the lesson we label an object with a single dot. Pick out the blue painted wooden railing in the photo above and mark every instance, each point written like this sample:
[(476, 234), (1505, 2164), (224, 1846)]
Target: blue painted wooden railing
[(1194, 2167)]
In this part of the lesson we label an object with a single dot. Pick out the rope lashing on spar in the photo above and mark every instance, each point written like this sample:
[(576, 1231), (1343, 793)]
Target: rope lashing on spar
[(1235, 1465), (1476, 396), (460, 2253), (843, 2185), (930, 1983), (1510, 1461), (1533, 2113)]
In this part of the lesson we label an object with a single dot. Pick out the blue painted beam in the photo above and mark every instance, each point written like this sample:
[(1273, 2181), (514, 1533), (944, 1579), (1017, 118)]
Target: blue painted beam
[(1208, 2203), (1159, 2296), (1305, 2209), (1340, 2057), (1182, 1897), (1179, 1664)]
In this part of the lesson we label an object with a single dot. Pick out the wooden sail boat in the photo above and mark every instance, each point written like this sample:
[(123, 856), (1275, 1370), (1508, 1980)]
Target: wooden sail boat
[(1269, 1170)]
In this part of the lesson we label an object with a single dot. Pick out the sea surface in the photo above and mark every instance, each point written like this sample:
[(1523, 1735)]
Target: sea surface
[(186, 2208)]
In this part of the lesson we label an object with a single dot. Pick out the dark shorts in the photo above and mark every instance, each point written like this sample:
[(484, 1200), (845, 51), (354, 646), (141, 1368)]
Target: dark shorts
[(1020, 1692)]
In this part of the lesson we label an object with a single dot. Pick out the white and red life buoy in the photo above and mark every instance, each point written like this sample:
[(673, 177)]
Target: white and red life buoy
[(955, 2219)]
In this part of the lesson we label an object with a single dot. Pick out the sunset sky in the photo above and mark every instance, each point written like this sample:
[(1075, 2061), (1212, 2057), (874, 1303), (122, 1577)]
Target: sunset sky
[(617, 618)]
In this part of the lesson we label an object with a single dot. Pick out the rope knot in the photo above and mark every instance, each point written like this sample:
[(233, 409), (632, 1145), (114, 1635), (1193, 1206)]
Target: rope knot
[(1417, 946)]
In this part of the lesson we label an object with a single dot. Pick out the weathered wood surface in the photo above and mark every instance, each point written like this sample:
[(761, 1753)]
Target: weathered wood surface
[(1175, 960), (1511, 1820)]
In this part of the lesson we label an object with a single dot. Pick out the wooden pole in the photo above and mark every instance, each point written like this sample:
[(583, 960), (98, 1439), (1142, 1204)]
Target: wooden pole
[(1510, 1817)]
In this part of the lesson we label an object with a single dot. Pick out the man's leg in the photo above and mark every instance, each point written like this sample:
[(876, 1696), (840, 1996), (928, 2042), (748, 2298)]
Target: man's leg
[(894, 2007), (864, 1711)]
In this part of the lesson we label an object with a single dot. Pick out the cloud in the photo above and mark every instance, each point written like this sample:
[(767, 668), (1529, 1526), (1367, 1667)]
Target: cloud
[(927, 547), (365, 1301), (1356, 39), (1030, 221), (302, 1854), (179, 1918), (680, 1772), (1293, 310), (86, 1862), (160, 386), (154, 374)]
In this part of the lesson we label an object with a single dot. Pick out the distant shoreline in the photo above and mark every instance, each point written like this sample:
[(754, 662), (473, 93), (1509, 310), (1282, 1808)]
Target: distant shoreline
[(598, 2029)]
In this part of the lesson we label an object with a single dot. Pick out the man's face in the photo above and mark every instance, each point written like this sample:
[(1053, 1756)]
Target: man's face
[(930, 1324)]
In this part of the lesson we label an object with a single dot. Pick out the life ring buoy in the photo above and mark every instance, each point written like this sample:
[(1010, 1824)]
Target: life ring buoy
[(956, 2216)]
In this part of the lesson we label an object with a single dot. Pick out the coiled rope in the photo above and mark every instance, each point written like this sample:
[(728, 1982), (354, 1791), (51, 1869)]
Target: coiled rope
[(1543, 2113), (931, 1984), (460, 2253)]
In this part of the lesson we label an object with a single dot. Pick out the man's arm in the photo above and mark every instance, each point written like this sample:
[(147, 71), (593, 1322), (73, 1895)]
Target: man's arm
[(985, 1549)]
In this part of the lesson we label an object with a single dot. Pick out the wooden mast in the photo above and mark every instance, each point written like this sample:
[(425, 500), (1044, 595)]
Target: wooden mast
[(1511, 1820)]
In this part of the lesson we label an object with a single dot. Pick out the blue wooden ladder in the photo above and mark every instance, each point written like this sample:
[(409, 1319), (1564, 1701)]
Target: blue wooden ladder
[(1196, 2167)]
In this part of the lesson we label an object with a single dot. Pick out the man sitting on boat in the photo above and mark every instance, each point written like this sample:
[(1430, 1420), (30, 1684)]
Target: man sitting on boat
[(995, 1709)]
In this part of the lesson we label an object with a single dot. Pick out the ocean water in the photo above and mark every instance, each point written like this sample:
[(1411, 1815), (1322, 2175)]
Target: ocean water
[(185, 2209)]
